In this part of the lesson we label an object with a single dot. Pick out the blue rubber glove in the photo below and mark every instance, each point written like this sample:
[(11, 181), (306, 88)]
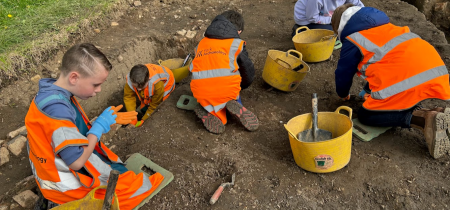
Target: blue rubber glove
[(103, 123), (362, 93)]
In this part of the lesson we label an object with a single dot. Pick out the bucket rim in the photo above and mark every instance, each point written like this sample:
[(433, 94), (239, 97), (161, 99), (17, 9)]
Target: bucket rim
[(335, 112)]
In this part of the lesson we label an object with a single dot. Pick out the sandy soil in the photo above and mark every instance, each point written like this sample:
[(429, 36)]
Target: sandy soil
[(394, 171)]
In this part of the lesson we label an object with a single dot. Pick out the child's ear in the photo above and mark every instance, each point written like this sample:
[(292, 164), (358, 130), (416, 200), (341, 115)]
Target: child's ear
[(73, 77), (240, 31)]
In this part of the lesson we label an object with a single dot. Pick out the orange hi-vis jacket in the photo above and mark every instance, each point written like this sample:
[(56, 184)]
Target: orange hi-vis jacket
[(215, 74), (156, 73), (47, 136), (402, 69)]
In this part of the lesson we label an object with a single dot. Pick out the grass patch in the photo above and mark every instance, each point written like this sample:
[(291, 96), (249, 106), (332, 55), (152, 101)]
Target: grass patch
[(27, 25)]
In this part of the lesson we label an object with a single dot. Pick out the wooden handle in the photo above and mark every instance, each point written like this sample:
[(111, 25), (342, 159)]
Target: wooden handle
[(216, 195), (110, 189)]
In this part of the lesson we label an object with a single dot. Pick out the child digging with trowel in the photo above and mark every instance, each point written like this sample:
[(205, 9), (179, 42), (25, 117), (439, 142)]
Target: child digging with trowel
[(152, 84), (66, 155), (401, 70)]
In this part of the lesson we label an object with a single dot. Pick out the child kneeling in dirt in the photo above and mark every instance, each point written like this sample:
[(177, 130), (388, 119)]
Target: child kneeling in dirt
[(66, 155), (220, 69), (401, 70), (152, 84)]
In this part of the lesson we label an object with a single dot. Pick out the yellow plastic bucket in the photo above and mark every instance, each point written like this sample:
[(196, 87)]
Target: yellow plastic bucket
[(278, 71), (89, 202), (174, 64), (315, 44), (324, 156)]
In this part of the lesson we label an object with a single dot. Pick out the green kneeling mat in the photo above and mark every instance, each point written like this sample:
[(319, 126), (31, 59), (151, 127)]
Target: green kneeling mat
[(367, 133), (135, 163), (187, 102)]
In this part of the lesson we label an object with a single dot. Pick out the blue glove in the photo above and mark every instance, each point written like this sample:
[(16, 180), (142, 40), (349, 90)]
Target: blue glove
[(103, 123), (362, 93)]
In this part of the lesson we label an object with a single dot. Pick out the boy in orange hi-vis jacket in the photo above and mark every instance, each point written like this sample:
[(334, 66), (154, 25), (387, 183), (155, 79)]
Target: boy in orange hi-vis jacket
[(66, 156)]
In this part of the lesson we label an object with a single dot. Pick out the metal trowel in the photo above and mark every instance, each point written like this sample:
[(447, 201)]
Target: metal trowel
[(315, 134)]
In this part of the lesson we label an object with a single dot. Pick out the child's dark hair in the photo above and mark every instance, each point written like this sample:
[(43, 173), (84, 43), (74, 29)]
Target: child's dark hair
[(139, 75), (84, 58), (235, 18)]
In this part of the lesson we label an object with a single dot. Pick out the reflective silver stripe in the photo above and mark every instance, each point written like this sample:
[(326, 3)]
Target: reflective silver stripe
[(233, 49), (103, 168), (217, 108), (68, 180), (146, 186), (213, 73), (379, 52), (169, 91), (65, 133), (155, 78), (129, 81), (410, 82)]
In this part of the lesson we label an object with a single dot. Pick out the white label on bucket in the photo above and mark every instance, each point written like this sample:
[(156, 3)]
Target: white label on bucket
[(323, 161)]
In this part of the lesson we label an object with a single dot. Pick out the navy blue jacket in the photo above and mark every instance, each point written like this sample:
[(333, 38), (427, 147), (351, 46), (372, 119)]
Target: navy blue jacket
[(365, 18)]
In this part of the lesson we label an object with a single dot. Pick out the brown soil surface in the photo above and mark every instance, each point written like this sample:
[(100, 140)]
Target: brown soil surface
[(394, 171)]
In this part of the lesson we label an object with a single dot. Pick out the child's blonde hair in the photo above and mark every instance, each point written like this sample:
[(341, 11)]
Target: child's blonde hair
[(84, 58), (337, 14)]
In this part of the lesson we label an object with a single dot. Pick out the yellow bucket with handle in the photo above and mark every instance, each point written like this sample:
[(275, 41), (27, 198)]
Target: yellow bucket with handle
[(89, 202), (279, 69), (323, 156), (175, 65), (315, 44)]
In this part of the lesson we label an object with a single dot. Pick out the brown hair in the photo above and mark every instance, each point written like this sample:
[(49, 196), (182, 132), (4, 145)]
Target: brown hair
[(235, 18), (84, 58), (336, 18), (139, 75)]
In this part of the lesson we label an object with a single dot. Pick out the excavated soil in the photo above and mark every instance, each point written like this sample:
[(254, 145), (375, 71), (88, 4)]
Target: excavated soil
[(393, 171)]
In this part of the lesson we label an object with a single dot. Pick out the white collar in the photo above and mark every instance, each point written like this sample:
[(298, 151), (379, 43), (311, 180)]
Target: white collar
[(346, 15)]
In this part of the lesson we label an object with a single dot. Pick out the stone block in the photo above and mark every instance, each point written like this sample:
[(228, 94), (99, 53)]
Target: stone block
[(36, 78), (191, 34), (13, 134), (17, 144), (4, 156), (26, 199)]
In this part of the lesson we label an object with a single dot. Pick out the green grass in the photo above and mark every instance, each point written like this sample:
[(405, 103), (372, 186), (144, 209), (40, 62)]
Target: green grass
[(25, 20), (23, 23)]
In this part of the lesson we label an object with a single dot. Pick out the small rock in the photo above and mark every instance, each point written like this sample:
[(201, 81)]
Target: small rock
[(114, 24), (13, 206), (4, 156), (54, 75), (154, 18), (176, 16), (26, 199), (181, 32), (187, 8), (16, 145), (13, 134), (1, 142), (120, 58), (4, 207), (191, 34), (162, 23), (137, 3), (97, 30), (36, 78), (113, 147)]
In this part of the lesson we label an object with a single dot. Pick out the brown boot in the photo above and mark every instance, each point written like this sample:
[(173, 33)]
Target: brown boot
[(435, 131)]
